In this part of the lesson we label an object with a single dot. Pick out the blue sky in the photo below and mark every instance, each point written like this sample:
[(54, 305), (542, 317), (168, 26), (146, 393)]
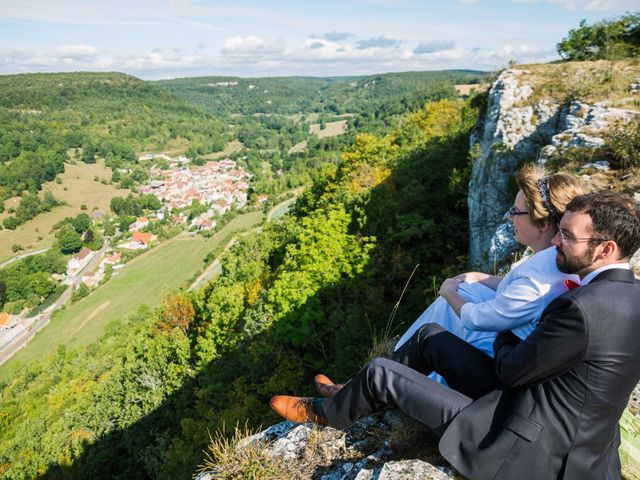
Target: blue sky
[(154, 39)]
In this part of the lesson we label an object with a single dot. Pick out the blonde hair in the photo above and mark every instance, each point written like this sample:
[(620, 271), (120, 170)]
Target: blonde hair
[(546, 196)]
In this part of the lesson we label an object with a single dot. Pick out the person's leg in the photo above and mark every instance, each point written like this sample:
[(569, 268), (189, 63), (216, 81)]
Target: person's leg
[(385, 383), (464, 367)]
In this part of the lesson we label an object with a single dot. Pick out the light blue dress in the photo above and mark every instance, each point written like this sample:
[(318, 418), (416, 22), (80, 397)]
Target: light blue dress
[(515, 305)]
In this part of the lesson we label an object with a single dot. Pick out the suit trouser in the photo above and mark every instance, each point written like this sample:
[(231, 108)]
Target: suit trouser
[(401, 382)]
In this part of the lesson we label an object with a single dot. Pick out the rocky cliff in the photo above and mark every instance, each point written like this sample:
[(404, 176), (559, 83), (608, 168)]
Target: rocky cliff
[(538, 113)]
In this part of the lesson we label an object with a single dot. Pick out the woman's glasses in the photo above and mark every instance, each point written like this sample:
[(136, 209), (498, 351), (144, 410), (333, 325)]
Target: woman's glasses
[(514, 212)]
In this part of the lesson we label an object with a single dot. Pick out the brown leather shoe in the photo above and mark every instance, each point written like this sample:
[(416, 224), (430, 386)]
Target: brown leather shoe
[(296, 409), (326, 387)]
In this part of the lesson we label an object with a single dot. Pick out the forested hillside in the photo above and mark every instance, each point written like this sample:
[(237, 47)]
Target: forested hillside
[(113, 116), (295, 95), (311, 292)]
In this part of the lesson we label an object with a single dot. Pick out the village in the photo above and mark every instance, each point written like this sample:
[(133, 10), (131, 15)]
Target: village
[(219, 186)]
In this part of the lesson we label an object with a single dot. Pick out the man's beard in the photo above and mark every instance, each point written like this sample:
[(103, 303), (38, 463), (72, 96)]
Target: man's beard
[(574, 265)]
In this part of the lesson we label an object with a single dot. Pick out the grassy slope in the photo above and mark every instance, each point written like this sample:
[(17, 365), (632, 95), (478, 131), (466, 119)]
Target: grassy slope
[(81, 189), (145, 281)]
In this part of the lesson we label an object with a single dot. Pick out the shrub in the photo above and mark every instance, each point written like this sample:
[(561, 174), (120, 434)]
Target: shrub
[(80, 292), (623, 145)]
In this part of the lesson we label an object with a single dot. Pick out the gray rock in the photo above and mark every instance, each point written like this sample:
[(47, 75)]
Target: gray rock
[(602, 166), (291, 445), (412, 469)]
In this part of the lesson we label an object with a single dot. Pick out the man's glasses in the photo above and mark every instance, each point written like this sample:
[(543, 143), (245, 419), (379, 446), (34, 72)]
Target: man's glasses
[(566, 237)]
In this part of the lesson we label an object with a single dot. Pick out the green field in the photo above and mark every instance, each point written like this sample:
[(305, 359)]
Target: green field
[(143, 281)]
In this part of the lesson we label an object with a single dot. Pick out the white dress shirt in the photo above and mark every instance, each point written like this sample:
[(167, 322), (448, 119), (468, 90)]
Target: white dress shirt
[(515, 305)]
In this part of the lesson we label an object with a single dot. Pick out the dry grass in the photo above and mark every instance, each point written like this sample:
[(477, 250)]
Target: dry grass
[(234, 458), (298, 147), (232, 147), (331, 129), (591, 82), (78, 188), (381, 347), (465, 89)]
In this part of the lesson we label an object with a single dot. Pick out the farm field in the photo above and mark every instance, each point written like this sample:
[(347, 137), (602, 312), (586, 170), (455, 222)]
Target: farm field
[(143, 281), (331, 129), (81, 188), (232, 147)]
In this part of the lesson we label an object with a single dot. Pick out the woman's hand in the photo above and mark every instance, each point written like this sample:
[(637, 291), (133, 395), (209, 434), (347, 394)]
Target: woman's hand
[(471, 277), (485, 279), (449, 286)]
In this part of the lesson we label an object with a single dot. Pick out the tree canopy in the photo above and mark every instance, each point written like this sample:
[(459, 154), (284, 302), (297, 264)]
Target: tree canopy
[(606, 39)]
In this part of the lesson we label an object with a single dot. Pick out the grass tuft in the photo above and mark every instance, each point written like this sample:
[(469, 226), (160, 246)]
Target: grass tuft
[(233, 457)]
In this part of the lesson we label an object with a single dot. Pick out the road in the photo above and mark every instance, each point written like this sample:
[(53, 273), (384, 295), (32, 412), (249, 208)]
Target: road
[(21, 256), (33, 325)]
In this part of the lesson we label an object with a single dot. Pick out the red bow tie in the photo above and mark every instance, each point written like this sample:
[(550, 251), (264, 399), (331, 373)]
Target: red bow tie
[(571, 284)]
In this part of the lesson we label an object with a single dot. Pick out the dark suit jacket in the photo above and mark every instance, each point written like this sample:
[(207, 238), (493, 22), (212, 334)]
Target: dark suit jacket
[(566, 387)]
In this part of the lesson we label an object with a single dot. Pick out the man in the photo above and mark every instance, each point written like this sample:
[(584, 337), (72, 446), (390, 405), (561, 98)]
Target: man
[(545, 407)]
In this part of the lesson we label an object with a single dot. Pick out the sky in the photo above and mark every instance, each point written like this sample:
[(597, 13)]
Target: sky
[(156, 39)]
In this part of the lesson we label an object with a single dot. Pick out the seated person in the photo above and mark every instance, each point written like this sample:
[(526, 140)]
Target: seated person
[(476, 306)]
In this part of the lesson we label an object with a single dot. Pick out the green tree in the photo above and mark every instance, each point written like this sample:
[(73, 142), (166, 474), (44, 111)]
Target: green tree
[(10, 223), (69, 241), (606, 39), (80, 292), (28, 208), (42, 284), (150, 202), (89, 154), (81, 223), (109, 229)]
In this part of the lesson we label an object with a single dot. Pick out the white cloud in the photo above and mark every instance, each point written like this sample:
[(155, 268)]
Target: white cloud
[(251, 46), (254, 55), (75, 52)]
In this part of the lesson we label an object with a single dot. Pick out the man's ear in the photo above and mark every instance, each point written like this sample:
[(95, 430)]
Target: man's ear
[(610, 250)]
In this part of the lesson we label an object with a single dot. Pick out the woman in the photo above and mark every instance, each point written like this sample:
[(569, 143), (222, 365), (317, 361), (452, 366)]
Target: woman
[(475, 306)]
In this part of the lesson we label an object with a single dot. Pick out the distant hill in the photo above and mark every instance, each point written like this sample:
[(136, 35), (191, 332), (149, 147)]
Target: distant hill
[(292, 95), (113, 115)]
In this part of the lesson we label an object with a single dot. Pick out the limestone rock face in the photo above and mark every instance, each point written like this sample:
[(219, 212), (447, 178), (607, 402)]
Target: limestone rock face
[(516, 129)]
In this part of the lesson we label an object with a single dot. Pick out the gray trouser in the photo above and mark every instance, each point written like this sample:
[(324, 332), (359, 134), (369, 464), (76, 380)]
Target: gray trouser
[(402, 382)]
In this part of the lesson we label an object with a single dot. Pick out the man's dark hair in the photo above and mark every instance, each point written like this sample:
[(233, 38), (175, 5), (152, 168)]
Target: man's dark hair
[(614, 216)]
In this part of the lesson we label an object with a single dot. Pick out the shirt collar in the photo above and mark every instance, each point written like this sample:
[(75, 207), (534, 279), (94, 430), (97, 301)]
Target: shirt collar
[(590, 276)]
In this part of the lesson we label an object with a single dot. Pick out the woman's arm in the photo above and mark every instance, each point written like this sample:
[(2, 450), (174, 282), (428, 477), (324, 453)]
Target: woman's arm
[(487, 280), (449, 291)]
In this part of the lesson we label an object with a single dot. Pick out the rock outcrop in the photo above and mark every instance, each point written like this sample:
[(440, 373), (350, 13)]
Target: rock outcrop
[(378, 447), (514, 129)]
